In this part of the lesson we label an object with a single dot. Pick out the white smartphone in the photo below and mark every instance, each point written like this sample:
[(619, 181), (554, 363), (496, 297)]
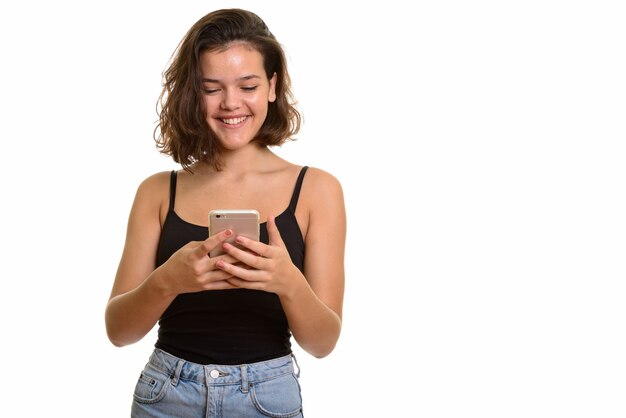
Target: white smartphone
[(244, 222)]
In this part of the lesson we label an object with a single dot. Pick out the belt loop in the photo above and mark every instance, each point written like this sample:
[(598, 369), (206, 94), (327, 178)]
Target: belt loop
[(179, 368), (297, 366), (244, 378)]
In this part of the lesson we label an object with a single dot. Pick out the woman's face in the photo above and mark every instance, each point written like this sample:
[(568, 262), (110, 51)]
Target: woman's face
[(236, 93)]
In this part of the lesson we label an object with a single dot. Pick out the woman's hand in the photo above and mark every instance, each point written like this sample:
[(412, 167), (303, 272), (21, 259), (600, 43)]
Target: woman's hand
[(190, 269), (261, 267)]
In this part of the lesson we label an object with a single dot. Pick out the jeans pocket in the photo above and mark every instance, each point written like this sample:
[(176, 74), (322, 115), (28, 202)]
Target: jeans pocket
[(279, 397), (151, 386)]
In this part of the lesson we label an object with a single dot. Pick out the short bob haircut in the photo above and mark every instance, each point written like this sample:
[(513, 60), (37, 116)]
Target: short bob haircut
[(182, 131)]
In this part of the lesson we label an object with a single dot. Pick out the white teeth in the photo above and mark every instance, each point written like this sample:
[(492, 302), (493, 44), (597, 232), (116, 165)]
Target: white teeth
[(234, 121)]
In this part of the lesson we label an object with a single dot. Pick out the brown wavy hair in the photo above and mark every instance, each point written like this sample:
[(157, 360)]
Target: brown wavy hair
[(182, 131)]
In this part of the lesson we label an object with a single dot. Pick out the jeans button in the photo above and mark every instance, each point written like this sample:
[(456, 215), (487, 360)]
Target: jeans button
[(214, 374)]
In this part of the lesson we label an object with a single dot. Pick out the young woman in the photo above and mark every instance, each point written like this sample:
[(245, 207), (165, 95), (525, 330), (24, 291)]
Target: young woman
[(226, 322)]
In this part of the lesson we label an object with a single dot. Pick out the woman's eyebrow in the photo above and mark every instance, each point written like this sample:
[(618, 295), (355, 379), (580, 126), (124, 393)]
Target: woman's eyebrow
[(244, 78)]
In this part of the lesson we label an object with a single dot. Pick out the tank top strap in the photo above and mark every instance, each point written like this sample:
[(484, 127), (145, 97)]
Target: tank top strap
[(296, 190), (172, 189)]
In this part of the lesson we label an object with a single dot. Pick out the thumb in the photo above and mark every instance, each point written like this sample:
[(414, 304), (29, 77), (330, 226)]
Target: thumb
[(210, 243), (273, 233)]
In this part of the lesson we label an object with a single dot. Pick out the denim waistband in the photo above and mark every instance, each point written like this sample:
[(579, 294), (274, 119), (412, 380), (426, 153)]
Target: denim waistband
[(214, 374)]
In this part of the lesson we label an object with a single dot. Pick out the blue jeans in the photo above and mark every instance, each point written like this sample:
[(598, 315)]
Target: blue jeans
[(172, 387)]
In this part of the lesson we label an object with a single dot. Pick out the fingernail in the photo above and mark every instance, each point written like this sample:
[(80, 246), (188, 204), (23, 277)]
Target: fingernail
[(239, 239), (228, 232)]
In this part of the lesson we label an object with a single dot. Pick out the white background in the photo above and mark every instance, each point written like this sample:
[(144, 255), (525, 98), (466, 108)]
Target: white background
[(481, 150)]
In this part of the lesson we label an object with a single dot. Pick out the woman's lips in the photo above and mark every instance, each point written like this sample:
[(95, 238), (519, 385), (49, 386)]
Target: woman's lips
[(234, 121)]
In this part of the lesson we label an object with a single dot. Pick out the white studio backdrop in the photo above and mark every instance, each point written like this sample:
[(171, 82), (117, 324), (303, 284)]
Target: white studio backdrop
[(481, 150)]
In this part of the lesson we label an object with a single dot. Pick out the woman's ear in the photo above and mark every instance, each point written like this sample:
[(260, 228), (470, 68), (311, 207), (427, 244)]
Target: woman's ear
[(272, 94)]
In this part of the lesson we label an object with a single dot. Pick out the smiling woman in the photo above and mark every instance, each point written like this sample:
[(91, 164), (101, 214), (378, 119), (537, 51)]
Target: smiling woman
[(225, 323), (209, 70), (237, 93)]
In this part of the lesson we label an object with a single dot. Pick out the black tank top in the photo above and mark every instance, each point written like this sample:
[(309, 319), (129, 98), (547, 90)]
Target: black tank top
[(226, 326)]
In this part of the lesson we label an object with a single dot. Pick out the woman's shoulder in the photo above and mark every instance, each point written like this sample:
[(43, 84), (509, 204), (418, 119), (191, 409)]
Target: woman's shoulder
[(152, 197), (320, 189), (321, 204), (318, 178), (155, 186)]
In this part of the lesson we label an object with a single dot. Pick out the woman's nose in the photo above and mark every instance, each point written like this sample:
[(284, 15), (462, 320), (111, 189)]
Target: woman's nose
[(230, 100)]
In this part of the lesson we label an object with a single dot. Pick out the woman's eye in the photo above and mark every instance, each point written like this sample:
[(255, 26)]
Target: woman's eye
[(211, 91), (249, 88)]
